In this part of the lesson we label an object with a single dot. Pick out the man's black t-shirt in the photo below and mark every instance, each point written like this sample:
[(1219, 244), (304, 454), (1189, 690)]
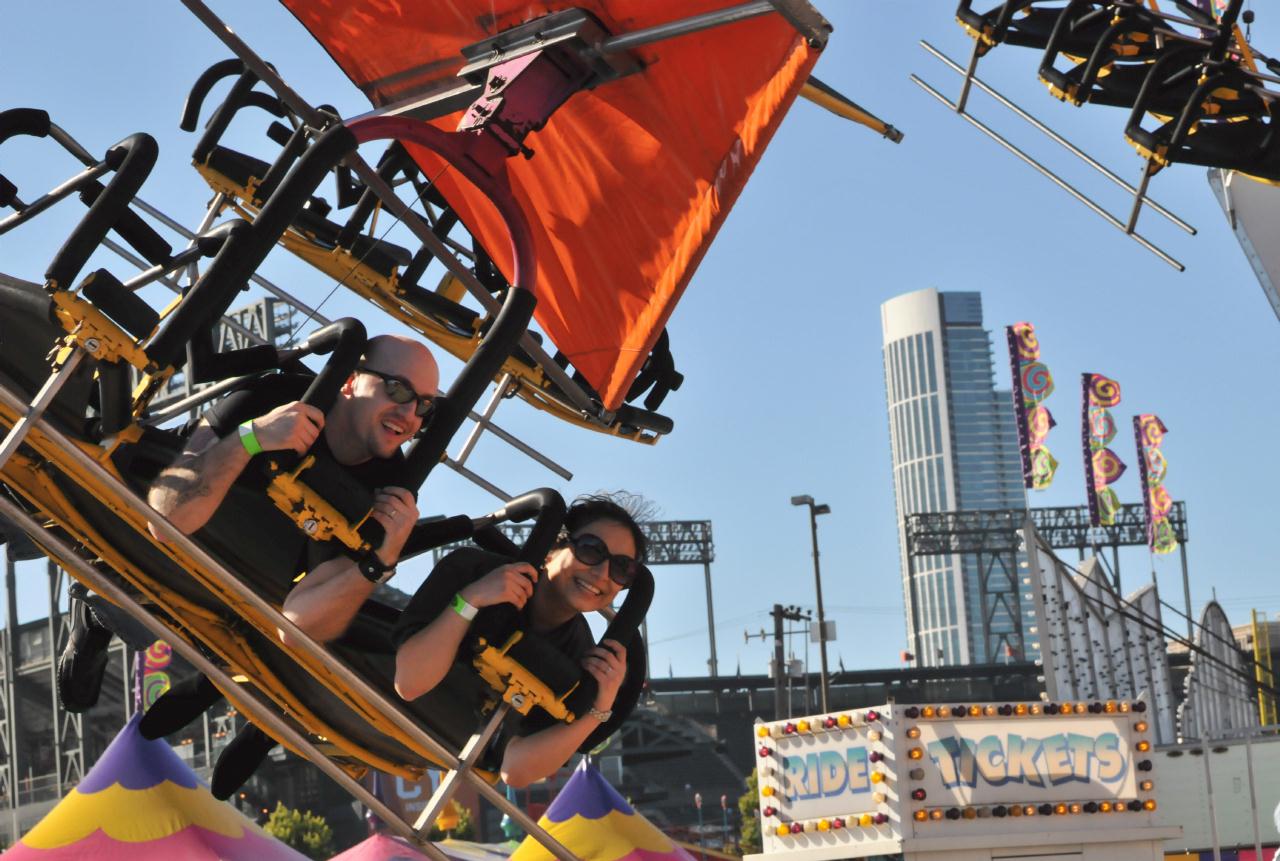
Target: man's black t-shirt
[(254, 536)]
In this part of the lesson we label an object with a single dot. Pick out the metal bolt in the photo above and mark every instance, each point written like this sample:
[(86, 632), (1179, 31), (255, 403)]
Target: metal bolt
[(310, 525), (517, 700), (92, 344)]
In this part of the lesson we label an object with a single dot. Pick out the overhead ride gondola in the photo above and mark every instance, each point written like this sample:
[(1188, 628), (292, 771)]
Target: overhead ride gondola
[(1189, 68)]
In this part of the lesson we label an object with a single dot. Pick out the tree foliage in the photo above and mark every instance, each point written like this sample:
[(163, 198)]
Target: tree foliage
[(749, 810), (305, 831)]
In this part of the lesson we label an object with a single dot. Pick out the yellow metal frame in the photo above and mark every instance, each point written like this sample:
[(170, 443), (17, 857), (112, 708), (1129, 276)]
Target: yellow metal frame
[(31, 477), (531, 383)]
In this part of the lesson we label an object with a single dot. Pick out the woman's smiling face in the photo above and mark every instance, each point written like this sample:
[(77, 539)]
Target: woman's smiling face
[(587, 588)]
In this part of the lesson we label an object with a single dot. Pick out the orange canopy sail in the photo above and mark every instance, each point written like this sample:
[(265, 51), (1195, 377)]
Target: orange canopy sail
[(630, 181)]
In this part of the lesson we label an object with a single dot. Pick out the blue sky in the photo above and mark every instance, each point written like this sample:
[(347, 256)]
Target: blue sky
[(779, 332)]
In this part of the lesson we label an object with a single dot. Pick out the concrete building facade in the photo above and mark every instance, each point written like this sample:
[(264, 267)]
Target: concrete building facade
[(954, 446)]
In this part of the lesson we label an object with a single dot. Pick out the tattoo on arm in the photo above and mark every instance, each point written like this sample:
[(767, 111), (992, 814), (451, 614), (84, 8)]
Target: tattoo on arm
[(200, 472)]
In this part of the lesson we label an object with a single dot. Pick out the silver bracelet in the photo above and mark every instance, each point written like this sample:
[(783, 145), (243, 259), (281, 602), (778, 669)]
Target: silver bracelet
[(602, 716)]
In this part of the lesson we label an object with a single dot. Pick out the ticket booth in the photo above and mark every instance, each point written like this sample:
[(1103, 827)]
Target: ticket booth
[(961, 782)]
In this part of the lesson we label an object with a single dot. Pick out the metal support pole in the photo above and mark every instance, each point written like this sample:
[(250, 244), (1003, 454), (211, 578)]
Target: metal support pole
[(451, 782), (53, 621), (39, 404), (712, 664), (1253, 794), (1213, 814), (822, 625), (11, 688), (1186, 591), (913, 591)]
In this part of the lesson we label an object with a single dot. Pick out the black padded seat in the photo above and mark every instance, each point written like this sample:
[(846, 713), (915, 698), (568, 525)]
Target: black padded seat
[(237, 166), (379, 255)]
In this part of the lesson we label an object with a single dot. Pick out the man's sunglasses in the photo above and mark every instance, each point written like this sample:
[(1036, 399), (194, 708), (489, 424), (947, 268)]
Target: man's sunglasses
[(400, 392), (591, 550)]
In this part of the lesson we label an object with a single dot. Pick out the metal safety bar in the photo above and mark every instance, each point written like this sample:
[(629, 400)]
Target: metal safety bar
[(1054, 136), (254, 710), (470, 755), (353, 683), (1051, 176), (217, 205)]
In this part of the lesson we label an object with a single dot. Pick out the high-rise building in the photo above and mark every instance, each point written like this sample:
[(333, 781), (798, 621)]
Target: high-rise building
[(954, 441)]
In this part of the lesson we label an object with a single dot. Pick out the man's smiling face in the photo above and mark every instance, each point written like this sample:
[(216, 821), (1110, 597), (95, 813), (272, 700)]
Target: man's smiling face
[(366, 423)]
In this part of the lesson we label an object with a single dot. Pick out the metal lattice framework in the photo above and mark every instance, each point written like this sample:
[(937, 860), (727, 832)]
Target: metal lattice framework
[(671, 542), (996, 531), (992, 537)]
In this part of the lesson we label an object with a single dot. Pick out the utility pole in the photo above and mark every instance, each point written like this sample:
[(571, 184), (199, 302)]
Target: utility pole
[(814, 510), (781, 615), (779, 660)]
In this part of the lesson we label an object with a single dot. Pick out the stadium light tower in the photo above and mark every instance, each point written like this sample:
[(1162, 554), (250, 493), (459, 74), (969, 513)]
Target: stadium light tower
[(814, 511)]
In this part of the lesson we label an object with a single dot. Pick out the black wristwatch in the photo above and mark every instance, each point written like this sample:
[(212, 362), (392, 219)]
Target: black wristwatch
[(374, 569)]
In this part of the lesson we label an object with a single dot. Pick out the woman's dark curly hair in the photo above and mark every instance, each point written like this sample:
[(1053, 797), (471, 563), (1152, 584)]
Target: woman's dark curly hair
[(613, 507)]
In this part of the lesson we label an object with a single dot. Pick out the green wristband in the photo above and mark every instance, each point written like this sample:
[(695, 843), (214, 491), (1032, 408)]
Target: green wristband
[(249, 440), (462, 608)]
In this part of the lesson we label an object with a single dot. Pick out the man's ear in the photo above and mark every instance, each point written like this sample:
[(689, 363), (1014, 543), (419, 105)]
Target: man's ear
[(348, 387)]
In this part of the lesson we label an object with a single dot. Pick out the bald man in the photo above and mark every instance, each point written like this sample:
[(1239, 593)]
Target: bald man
[(379, 408)]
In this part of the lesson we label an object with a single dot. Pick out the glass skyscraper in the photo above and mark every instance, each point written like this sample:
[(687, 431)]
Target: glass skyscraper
[(955, 447)]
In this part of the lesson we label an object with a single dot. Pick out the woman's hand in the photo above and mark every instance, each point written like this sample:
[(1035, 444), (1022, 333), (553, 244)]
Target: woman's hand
[(607, 664), (506, 584), (396, 510)]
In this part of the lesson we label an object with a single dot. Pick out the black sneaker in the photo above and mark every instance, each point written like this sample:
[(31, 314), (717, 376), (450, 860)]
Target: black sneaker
[(239, 760), (83, 662)]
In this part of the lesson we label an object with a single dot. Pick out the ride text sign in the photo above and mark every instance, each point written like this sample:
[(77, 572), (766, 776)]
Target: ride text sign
[(825, 774)]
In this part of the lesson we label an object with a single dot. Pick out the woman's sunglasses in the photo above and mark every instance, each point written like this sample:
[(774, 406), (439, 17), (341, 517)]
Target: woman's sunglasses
[(591, 550), (400, 392)]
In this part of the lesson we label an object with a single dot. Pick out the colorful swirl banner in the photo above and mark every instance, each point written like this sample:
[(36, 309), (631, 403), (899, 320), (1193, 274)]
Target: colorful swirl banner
[(1032, 383), (1028, 345), (1102, 466), (1148, 434), (155, 681)]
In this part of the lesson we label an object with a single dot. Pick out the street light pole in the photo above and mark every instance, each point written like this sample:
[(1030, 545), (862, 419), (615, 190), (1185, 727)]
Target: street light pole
[(814, 511)]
